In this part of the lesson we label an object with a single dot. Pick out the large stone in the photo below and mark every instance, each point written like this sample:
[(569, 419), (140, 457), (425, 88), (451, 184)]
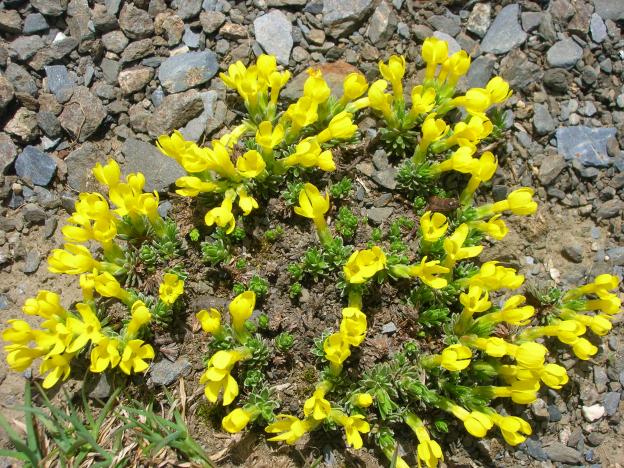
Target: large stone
[(171, 26), (453, 45), (343, 16), (83, 115), (542, 120), (165, 372), (334, 74), (20, 79), (382, 24), (562, 453), (518, 70), (79, 164), (36, 166), (184, 71), (274, 33), (557, 80), (597, 28), (211, 21), (585, 144), (6, 92), (188, 9), (480, 72), (59, 81), (551, 168), (564, 54), (10, 21), (24, 47), (196, 127), (8, 151), (479, 19), (135, 23), (23, 125), (610, 9), (137, 50), (505, 33), (160, 171), (49, 7), (175, 112), (34, 23), (135, 79), (115, 41)]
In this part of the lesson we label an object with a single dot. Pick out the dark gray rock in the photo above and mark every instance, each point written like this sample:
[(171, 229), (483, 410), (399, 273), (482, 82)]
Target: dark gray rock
[(49, 124), (59, 80), (518, 70), (10, 21), (610, 209), (110, 70), (616, 255), (135, 23), (597, 28), (79, 164), (273, 32), (83, 115), (531, 20), (450, 24), (20, 79), (343, 16), (610, 9), (31, 262), (35, 165), (187, 9), (115, 41), (542, 120), (557, 80), (34, 23), (197, 126), (166, 372), (49, 7), (534, 449), (588, 145), (382, 24), (102, 388), (192, 39), (573, 252), (175, 112), (24, 47), (551, 168), (561, 453), (377, 215), (611, 402), (181, 72), (160, 171), (564, 54), (505, 33), (479, 19), (33, 214), (8, 151)]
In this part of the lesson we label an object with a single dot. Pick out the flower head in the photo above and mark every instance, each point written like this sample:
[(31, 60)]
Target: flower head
[(241, 308), (134, 356), (336, 349), (105, 354), (222, 216), (311, 203), (289, 428), (364, 264), (236, 420), (210, 320), (317, 406), (433, 226), (171, 288), (354, 86)]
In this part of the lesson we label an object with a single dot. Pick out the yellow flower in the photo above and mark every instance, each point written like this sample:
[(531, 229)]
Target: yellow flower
[(455, 357), (236, 420), (602, 285), (498, 89), (308, 154), (317, 406), (483, 169), (105, 354), (315, 86), (476, 101), (107, 286), (290, 427), (364, 264), (73, 260), (341, 126), (429, 452), (432, 130), (434, 52), (353, 426), (433, 226), (519, 202), (567, 331), (109, 174), (246, 202), (583, 349), (222, 215), (236, 71), (454, 67), (311, 203), (46, 305), (251, 164), (423, 100), (467, 134), (55, 339), (353, 325), (174, 146), (494, 227), (195, 159), (241, 308), (553, 375), (379, 99), (19, 357), (85, 330), (267, 136), (461, 161), (302, 113), (427, 272), (171, 288), (530, 355), (218, 159), (217, 376), (453, 246), (190, 186), (393, 72), (277, 81), (362, 400), (210, 320), (134, 355), (599, 324), (522, 392), (477, 423), (493, 277), (58, 368), (354, 86), (608, 303), (266, 65), (514, 429), (19, 332), (515, 314), (140, 315), (336, 349)]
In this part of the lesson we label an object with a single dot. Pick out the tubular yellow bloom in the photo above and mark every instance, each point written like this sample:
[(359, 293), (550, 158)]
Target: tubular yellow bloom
[(19, 357), (106, 285), (492, 277), (553, 375), (317, 406), (608, 303), (475, 422), (73, 260), (236, 71), (190, 186), (105, 354), (476, 101), (85, 330), (434, 52), (251, 164), (379, 99), (393, 72), (353, 326), (583, 349), (246, 202), (222, 215), (174, 146), (512, 312), (364, 264), (171, 288), (498, 89), (427, 272), (432, 130), (291, 429), (495, 227), (354, 86), (18, 333), (493, 346), (514, 429), (336, 349), (468, 134), (46, 305), (454, 358), (312, 204), (454, 67), (241, 308), (362, 400), (423, 100), (599, 324), (315, 86), (134, 356), (269, 137), (236, 420), (302, 113), (266, 65), (218, 159), (433, 226), (429, 452), (58, 368), (483, 169), (354, 426), (217, 376), (453, 246), (195, 159), (341, 126), (523, 392), (530, 355), (567, 331), (140, 315), (210, 320), (602, 285), (87, 284), (519, 202), (277, 81), (55, 339), (461, 161), (109, 174)]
